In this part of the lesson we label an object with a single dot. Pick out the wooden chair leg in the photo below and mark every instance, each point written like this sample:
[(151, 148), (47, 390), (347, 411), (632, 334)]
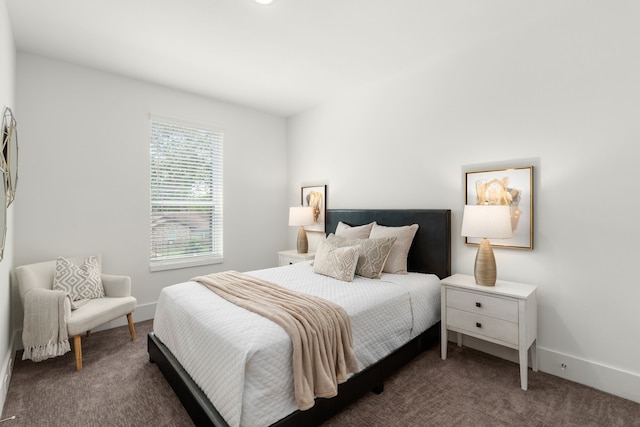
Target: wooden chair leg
[(132, 330), (77, 347)]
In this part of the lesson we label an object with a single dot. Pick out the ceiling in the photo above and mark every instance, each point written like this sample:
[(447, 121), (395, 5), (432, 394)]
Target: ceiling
[(283, 58)]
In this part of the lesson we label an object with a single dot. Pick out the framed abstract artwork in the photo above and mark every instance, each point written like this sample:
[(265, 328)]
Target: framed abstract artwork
[(315, 197), (512, 187)]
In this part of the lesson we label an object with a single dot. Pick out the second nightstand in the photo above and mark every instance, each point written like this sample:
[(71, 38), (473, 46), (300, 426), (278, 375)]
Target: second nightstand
[(292, 257), (504, 314)]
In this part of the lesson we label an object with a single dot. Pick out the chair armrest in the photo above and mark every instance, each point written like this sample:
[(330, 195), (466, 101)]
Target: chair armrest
[(38, 308), (116, 286), (34, 276)]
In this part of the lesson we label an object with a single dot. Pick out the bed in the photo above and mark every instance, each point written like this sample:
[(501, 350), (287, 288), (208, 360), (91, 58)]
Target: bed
[(430, 253)]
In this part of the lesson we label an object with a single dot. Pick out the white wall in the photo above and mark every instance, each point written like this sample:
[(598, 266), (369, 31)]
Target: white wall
[(562, 96), (84, 174), (7, 96)]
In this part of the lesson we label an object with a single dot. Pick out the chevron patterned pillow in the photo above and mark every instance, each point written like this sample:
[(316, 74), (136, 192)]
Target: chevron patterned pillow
[(373, 253), (81, 282), (339, 263)]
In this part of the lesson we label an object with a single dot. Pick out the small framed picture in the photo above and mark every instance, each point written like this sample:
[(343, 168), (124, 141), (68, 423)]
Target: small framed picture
[(512, 187), (315, 197)]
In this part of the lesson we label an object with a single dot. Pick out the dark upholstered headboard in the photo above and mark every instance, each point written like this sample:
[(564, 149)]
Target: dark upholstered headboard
[(431, 248)]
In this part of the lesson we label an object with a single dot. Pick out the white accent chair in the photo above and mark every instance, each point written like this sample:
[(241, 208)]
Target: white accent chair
[(117, 301)]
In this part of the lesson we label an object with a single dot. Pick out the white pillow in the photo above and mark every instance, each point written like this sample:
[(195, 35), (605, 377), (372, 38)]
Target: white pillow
[(397, 260), (357, 232), (339, 263), (80, 282)]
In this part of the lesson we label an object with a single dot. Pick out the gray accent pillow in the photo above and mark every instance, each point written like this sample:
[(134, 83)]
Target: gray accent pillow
[(373, 254), (79, 281), (397, 261), (357, 232), (339, 263)]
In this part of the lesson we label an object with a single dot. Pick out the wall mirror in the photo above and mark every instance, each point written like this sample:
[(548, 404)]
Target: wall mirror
[(8, 170), (9, 163), (3, 213)]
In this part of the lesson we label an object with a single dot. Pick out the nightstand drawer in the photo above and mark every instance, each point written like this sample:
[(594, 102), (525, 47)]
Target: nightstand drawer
[(293, 257), (476, 324), (500, 308)]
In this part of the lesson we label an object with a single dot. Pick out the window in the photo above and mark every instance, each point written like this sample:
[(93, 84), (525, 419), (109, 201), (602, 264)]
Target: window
[(186, 195)]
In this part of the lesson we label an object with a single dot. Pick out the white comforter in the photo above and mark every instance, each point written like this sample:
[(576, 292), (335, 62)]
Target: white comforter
[(242, 360)]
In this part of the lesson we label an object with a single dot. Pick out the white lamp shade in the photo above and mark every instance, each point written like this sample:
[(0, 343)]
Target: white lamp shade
[(490, 221), (300, 216)]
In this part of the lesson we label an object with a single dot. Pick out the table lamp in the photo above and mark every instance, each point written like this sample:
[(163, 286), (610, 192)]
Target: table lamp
[(300, 216), (486, 222)]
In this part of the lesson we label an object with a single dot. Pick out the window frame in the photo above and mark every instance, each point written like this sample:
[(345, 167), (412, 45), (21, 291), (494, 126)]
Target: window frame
[(216, 256)]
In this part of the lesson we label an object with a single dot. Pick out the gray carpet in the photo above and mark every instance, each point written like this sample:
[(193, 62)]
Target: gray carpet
[(119, 387), (475, 389)]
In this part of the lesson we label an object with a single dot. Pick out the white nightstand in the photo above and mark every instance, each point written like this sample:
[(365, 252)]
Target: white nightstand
[(504, 314), (292, 257)]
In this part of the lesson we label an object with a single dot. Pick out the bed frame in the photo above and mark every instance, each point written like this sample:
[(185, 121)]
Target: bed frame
[(430, 253)]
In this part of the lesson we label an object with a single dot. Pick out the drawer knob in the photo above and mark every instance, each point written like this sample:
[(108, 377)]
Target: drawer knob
[(478, 325), (478, 304)]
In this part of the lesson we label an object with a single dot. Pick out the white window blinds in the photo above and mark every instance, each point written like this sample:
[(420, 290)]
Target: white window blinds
[(186, 195)]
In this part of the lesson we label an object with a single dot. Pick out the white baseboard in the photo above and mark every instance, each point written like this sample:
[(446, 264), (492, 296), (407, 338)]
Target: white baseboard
[(611, 380), (142, 312), (593, 374), (7, 369), (590, 373)]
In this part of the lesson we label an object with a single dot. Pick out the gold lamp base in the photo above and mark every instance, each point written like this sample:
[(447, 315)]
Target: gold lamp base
[(485, 268), (303, 243)]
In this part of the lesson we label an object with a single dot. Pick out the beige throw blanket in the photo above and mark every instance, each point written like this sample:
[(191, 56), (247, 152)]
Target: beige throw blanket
[(44, 334), (320, 331)]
